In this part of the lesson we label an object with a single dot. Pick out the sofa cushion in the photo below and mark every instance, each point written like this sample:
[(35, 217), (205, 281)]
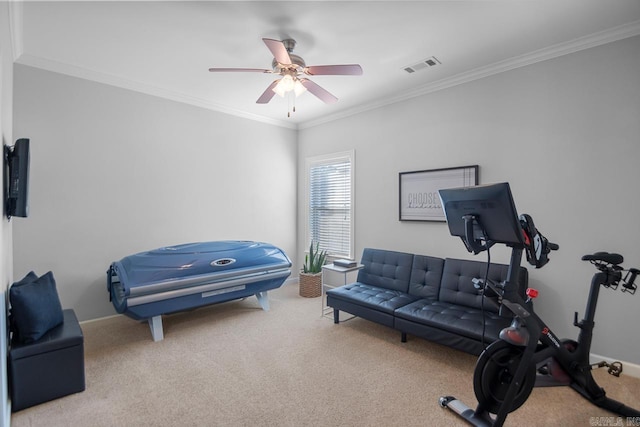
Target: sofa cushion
[(426, 275), (381, 299), (457, 285), (386, 269), (464, 321)]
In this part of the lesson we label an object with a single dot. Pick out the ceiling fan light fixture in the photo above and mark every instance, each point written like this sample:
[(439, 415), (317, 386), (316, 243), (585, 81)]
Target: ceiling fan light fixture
[(286, 84), (299, 88)]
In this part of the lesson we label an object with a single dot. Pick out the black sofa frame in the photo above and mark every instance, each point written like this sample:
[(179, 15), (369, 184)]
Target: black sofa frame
[(432, 298)]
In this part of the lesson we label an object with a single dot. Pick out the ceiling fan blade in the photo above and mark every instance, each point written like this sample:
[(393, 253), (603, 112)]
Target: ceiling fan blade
[(318, 91), (334, 70), (241, 70), (267, 94), (278, 50)]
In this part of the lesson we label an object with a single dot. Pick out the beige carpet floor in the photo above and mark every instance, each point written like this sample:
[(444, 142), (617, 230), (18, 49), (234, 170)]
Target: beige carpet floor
[(234, 364)]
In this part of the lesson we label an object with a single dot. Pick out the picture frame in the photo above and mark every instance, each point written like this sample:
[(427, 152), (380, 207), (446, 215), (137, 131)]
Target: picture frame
[(419, 199)]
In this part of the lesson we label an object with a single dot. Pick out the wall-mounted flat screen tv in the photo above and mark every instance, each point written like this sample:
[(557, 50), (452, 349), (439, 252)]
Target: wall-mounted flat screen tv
[(17, 179)]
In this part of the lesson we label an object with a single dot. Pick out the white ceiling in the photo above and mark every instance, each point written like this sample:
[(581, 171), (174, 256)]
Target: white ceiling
[(166, 48)]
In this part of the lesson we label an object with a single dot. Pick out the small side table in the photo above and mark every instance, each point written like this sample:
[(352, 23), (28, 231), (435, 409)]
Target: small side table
[(334, 270)]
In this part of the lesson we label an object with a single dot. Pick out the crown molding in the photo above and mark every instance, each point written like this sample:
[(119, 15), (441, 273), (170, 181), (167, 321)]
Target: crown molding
[(603, 37), (16, 10), (136, 86), (611, 35)]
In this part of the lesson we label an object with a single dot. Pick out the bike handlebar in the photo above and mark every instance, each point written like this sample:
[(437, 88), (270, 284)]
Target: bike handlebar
[(537, 247), (628, 282), (535, 244)]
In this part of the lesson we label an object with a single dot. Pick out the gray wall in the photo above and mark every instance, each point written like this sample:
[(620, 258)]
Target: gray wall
[(115, 172), (565, 134)]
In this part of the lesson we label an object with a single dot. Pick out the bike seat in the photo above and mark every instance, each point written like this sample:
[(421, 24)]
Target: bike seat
[(607, 257)]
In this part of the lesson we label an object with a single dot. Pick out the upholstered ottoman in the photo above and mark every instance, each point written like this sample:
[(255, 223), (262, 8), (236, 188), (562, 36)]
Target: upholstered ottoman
[(51, 367)]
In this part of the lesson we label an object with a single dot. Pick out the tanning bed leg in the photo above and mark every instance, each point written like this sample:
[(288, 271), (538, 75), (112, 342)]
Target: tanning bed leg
[(263, 299), (155, 324)]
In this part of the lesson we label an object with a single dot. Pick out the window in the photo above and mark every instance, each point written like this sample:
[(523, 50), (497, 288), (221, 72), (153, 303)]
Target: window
[(329, 202)]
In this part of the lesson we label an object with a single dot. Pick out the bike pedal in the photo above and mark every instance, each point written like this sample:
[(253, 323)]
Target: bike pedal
[(602, 364), (615, 369)]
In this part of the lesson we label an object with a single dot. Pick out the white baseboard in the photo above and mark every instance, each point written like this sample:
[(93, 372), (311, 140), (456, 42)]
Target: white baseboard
[(292, 280), (6, 422), (628, 368), (99, 318), (289, 281), (5, 402)]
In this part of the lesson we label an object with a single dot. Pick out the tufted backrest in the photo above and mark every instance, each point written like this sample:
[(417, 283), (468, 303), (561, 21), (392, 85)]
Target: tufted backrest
[(386, 269), (457, 286), (426, 275)]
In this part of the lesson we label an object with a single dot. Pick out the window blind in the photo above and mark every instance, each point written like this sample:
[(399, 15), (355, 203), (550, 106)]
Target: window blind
[(330, 206)]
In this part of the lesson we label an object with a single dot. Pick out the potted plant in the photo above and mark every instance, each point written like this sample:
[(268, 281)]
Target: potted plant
[(311, 274)]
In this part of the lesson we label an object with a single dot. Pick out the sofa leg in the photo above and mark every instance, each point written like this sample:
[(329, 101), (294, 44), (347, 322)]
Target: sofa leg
[(403, 337), (336, 316)]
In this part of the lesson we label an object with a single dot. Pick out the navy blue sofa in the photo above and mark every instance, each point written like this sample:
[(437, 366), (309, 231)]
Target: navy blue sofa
[(428, 297)]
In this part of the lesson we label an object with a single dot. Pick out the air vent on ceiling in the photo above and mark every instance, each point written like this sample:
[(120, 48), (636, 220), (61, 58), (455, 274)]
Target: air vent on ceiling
[(425, 63)]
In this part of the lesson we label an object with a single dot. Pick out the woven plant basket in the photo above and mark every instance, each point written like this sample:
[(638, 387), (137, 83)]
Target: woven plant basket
[(310, 285)]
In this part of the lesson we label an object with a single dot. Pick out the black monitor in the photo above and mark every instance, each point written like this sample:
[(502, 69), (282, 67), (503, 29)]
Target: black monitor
[(17, 179), (482, 215)]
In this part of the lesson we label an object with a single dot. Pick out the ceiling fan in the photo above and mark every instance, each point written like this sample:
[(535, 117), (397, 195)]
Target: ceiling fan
[(292, 68)]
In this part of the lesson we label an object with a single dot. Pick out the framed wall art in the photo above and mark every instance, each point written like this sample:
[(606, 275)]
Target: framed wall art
[(419, 198)]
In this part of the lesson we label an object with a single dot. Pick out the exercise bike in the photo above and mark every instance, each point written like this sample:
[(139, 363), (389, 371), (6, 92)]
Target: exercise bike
[(507, 369)]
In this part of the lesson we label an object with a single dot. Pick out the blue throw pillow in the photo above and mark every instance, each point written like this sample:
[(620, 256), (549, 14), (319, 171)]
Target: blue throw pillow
[(30, 277), (35, 307)]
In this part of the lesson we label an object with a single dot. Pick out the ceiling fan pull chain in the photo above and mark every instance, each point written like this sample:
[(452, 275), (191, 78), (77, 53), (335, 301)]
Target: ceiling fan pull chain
[(289, 102)]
